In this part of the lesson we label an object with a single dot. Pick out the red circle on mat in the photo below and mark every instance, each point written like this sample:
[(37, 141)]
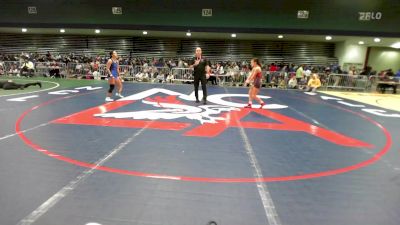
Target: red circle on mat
[(49, 153)]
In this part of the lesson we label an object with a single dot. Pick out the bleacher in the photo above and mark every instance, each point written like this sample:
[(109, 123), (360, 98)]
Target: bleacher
[(311, 53), (86, 49)]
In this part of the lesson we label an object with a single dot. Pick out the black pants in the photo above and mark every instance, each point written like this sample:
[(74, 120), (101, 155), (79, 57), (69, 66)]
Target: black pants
[(382, 87), (203, 80), (213, 80), (55, 73), (26, 72), (14, 86)]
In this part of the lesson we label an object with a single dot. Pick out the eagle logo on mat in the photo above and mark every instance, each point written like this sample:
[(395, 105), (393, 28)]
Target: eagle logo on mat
[(170, 110), (170, 107)]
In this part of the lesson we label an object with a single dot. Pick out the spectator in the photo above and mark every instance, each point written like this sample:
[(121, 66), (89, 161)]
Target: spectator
[(213, 79), (273, 68), (366, 71), (2, 70), (282, 83), (397, 76), (49, 56), (273, 83), (54, 70), (160, 78), (292, 68), (293, 82), (390, 73), (352, 71), (170, 78), (220, 69), (386, 80), (27, 69), (13, 70), (300, 73), (180, 63), (352, 76), (96, 75), (307, 73), (313, 83)]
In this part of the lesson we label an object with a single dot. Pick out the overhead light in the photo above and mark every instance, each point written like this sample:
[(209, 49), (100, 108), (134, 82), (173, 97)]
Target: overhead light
[(280, 36), (62, 30), (395, 45), (97, 31), (361, 43), (377, 40), (188, 34), (144, 32), (233, 35), (24, 30), (328, 38)]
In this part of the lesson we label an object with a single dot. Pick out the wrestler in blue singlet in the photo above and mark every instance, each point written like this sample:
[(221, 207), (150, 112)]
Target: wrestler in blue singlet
[(114, 69)]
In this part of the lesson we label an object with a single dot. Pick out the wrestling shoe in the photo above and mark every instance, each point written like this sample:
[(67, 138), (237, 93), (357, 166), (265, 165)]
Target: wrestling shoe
[(248, 106), (119, 95)]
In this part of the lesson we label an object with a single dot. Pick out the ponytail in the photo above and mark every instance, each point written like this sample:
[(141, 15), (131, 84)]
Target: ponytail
[(111, 53)]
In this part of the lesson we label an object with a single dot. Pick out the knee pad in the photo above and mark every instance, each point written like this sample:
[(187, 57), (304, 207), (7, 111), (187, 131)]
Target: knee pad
[(110, 90)]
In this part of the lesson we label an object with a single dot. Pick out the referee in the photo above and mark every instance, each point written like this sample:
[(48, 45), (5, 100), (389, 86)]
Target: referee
[(201, 66)]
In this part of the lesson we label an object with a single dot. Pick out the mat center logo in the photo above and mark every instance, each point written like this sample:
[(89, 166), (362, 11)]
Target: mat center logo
[(170, 111), (172, 108), (211, 119)]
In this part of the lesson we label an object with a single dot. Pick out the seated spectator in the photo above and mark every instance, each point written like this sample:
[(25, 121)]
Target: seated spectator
[(142, 77), (293, 82), (13, 70), (160, 78), (397, 76), (96, 75), (63, 74), (170, 78), (54, 70), (89, 75), (27, 69), (302, 84), (78, 67), (313, 83), (307, 73), (282, 84), (273, 83), (386, 80), (2, 70), (390, 73), (398, 73), (220, 72), (213, 79)]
